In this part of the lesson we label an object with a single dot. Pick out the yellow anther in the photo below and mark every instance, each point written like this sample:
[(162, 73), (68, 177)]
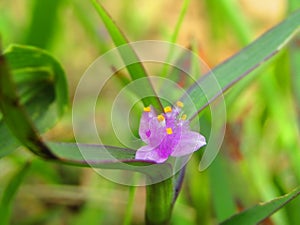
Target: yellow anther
[(160, 118), (169, 130), (147, 109), (168, 109), (179, 104), (183, 117)]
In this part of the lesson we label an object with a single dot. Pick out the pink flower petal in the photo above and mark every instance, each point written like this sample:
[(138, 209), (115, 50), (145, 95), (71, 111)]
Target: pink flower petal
[(189, 142), (144, 129), (151, 130), (167, 135), (148, 153)]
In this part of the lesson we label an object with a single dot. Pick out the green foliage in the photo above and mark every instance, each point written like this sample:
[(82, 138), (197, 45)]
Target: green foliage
[(255, 55), (136, 70), (9, 193), (262, 211), (44, 19), (34, 94), (40, 81)]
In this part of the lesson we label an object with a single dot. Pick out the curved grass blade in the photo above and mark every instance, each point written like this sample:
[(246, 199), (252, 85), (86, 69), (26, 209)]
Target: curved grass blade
[(35, 76), (136, 70), (9, 194), (27, 60), (258, 53), (260, 212)]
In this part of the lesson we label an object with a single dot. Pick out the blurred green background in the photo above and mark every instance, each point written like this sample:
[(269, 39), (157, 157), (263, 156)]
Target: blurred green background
[(260, 156)]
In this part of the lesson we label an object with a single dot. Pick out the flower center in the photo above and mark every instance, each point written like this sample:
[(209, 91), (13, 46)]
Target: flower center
[(169, 130)]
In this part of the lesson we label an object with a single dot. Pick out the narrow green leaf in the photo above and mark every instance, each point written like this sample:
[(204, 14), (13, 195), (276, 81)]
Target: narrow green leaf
[(136, 70), (8, 142), (29, 77), (174, 36), (260, 212), (109, 157), (294, 51), (9, 194), (88, 23), (258, 53), (101, 156), (182, 14), (235, 19), (43, 23), (82, 154)]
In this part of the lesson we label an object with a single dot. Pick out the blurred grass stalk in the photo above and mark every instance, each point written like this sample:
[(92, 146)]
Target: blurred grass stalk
[(9, 193), (43, 23), (280, 106)]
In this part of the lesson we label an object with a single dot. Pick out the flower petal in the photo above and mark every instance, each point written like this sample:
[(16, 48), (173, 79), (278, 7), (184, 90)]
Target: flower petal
[(158, 132), (151, 130), (144, 129), (189, 142), (148, 153)]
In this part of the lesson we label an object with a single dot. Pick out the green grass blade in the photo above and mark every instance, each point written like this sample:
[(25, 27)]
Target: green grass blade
[(43, 22), (235, 20), (130, 204), (31, 83), (8, 143), (108, 157), (260, 212), (295, 67), (101, 156), (258, 53), (174, 36), (9, 194), (82, 154), (136, 70), (182, 14)]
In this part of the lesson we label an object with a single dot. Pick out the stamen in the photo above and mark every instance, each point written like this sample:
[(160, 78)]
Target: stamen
[(160, 118), (169, 130), (168, 109), (147, 109), (179, 104), (183, 117)]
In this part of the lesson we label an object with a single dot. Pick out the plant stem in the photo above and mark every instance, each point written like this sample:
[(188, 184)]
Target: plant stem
[(159, 202)]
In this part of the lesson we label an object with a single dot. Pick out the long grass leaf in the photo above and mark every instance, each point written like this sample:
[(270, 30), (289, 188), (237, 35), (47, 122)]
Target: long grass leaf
[(262, 211), (136, 70), (9, 194), (258, 53)]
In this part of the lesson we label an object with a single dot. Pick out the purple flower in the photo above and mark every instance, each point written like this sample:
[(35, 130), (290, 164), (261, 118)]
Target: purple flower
[(167, 134)]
